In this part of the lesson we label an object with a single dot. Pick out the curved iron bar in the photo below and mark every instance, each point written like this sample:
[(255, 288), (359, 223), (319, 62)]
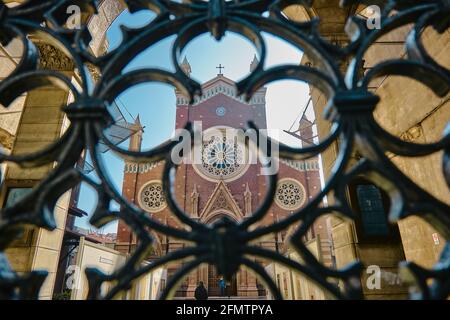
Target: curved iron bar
[(125, 278), (169, 186), (133, 212), (387, 24), (260, 271), (169, 290), (341, 162), (263, 208), (225, 244), (292, 153), (420, 276), (307, 255), (414, 45), (417, 200), (310, 273)]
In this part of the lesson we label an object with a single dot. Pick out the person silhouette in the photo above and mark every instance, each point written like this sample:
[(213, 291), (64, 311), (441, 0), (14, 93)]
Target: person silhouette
[(200, 292), (222, 286), (228, 288)]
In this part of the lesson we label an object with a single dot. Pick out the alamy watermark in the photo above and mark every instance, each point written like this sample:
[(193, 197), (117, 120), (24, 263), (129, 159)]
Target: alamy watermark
[(73, 281), (373, 15), (376, 275), (74, 19), (229, 147), (373, 282)]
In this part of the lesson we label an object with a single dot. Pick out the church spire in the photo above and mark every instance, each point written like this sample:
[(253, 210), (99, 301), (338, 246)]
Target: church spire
[(186, 67), (136, 138), (254, 63)]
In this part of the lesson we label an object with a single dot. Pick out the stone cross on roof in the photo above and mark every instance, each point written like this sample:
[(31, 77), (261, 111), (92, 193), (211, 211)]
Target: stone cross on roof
[(220, 67)]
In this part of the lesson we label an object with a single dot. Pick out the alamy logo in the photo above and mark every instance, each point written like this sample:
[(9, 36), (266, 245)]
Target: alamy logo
[(373, 14), (74, 277), (74, 20), (375, 273), (230, 141), (374, 280)]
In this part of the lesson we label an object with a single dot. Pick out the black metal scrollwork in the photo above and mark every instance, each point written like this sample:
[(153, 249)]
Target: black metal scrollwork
[(226, 244)]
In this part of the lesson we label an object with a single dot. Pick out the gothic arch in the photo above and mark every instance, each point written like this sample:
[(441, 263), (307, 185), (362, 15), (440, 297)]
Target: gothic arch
[(221, 200), (108, 12), (111, 9), (216, 215)]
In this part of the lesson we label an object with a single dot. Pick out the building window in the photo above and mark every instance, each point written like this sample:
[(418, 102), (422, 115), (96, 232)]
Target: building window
[(220, 111), (290, 194), (222, 157), (371, 204), (373, 216), (151, 197)]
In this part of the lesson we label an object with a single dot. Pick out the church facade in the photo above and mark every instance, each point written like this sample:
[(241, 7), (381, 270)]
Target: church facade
[(224, 183)]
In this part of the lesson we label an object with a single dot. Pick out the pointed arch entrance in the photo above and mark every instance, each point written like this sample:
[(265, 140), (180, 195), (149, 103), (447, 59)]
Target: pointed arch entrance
[(213, 275), (213, 283)]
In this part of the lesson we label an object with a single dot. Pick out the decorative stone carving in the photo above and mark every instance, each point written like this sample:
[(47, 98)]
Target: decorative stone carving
[(6, 139), (222, 158), (194, 201), (53, 59), (412, 134), (94, 72), (221, 200), (247, 200), (152, 198), (290, 194)]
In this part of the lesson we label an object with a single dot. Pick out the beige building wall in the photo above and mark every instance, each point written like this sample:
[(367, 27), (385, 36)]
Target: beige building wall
[(93, 255), (294, 285), (39, 249), (31, 122), (107, 260), (414, 113), (407, 110), (41, 122)]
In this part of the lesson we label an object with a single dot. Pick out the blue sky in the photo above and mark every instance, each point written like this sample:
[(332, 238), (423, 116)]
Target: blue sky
[(155, 103)]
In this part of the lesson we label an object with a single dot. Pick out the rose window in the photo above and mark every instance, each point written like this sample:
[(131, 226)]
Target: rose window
[(290, 194), (222, 158), (152, 197)]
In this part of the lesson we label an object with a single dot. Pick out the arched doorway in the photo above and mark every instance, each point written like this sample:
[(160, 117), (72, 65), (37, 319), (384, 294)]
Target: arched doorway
[(213, 275), (213, 283)]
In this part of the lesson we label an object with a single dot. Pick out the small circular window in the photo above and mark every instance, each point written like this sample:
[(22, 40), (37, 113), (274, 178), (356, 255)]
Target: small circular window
[(152, 198), (220, 111), (290, 194)]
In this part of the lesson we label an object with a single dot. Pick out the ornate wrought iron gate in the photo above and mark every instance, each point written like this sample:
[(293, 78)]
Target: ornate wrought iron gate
[(227, 244)]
